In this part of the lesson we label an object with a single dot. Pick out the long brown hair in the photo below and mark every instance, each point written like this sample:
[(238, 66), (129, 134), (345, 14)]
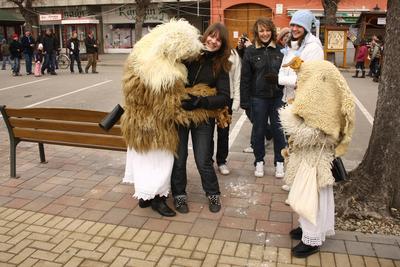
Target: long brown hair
[(221, 60), (268, 24), (299, 40)]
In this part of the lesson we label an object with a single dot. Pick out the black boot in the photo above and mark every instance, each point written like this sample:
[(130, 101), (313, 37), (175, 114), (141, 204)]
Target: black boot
[(158, 204), (303, 251), (363, 74), (144, 203), (296, 233), (356, 75)]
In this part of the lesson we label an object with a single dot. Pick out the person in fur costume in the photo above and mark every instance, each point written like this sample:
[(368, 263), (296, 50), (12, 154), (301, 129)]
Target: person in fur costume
[(321, 118), (153, 87)]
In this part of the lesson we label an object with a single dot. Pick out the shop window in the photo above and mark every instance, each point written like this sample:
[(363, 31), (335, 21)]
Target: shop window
[(117, 36)]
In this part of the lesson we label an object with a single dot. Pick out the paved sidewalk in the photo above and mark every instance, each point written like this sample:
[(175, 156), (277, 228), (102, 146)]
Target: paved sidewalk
[(74, 210)]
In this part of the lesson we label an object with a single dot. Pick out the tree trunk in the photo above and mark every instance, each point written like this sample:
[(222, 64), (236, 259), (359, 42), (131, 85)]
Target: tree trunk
[(140, 15), (30, 16), (375, 183), (330, 8)]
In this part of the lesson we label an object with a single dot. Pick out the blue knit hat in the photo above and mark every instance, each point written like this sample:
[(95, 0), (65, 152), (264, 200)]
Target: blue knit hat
[(303, 18)]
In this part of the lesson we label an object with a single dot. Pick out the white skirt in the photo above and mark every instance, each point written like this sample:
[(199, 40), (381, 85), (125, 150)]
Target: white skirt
[(150, 172), (314, 235)]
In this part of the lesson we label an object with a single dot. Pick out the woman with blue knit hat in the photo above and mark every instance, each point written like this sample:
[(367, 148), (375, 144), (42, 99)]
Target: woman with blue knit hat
[(308, 47), (302, 44)]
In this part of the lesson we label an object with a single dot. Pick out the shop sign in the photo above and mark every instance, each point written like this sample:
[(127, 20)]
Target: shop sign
[(381, 21), (126, 14), (50, 17)]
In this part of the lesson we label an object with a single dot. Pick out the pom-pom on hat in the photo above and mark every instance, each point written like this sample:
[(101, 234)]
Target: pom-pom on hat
[(303, 18), (15, 36)]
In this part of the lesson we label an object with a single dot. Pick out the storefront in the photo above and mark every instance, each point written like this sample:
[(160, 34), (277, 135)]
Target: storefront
[(119, 26), (65, 20), (10, 23)]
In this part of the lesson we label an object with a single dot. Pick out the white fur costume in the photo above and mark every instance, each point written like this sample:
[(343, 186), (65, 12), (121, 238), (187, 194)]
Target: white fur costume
[(153, 80)]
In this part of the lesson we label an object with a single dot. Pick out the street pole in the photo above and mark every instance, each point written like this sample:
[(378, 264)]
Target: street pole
[(179, 11)]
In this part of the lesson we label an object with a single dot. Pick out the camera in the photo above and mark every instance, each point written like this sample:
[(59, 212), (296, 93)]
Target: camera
[(243, 38)]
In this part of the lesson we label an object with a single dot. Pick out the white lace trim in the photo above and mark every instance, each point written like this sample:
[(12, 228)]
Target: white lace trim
[(146, 196), (315, 239)]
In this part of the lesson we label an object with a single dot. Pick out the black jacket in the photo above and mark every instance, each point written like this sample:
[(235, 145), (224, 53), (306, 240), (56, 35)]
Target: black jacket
[(26, 44), (259, 75), (89, 43), (15, 49), (49, 44), (75, 43), (201, 71)]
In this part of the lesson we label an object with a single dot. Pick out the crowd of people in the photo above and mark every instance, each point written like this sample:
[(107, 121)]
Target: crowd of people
[(258, 76), (43, 52)]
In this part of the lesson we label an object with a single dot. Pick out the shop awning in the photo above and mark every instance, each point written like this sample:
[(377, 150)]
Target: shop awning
[(80, 21), (10, 16)]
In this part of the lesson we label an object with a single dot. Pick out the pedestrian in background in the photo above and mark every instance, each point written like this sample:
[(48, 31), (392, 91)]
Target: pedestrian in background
[(73, 47), (361, 56), (283, 36), (91, 51), (16, 52), (28, 44), (374, 56), (38, 60), (49, 51), (5, 52), (261, 93), (223, 133)]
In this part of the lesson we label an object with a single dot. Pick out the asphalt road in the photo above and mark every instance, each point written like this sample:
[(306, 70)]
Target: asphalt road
[(102, 91)]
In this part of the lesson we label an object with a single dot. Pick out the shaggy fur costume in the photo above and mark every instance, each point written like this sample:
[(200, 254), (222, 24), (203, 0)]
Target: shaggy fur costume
[(153, 87), (322, 112)]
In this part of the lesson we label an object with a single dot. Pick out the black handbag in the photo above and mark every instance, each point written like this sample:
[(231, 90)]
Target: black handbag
[(111, 118), (338, 170)]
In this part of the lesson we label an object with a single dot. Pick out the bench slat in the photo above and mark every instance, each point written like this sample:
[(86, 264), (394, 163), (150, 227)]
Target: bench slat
[(66, 126), (63, 114), (69, 138)]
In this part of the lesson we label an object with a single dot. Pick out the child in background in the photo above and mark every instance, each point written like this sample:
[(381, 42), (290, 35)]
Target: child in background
[(38, 60), (362, 54)]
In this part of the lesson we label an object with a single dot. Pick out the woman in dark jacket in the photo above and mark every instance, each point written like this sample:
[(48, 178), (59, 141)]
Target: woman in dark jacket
[(261, 94), (212, 69)]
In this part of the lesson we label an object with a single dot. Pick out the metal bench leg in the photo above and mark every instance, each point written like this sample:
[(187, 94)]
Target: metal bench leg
[(41, 153), (13, 159)]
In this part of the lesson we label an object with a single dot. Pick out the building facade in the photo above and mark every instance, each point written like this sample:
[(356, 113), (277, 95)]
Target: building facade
[(240, 15), (111, 21)]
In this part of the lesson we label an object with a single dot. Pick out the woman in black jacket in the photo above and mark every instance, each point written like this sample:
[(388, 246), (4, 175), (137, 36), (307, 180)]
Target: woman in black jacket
[(212, 69), (261, 94)]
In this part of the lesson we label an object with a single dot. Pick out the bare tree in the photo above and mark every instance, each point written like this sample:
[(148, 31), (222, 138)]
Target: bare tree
[(330, 8), (31, 18), (374, 187), (140, 15)]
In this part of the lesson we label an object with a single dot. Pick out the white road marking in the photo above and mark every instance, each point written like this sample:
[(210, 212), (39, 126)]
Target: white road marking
[(67, 94), (364, 110), (23, 84), (235, 131)]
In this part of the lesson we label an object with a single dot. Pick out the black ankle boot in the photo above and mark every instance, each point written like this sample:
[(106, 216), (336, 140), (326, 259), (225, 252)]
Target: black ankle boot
[(144, 203), (296, 233), (356, 75), (303, 251), (158, 204), (363, 74)]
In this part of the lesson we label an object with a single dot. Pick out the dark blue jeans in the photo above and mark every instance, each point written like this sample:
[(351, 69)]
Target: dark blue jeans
[(201, 139), (49, 62), (268, 132), (16, 65), (261, 109), (28, 62)]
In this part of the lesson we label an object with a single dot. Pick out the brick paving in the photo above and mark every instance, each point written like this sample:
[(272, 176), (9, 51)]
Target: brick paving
[(74, 211)]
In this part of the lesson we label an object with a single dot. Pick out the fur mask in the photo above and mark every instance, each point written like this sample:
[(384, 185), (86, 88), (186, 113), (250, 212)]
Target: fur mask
[(157, 57)]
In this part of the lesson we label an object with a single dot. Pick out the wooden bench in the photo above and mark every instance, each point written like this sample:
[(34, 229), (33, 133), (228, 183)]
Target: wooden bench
[(59, 126)]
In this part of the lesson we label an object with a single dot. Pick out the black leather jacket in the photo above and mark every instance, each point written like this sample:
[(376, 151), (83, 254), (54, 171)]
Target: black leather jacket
[(259, 76)]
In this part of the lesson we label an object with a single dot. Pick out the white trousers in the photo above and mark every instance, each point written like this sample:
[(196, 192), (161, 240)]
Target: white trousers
[(150, 172), (314, 235)]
